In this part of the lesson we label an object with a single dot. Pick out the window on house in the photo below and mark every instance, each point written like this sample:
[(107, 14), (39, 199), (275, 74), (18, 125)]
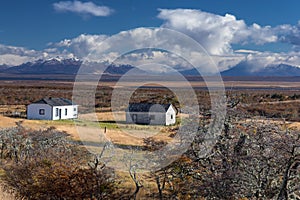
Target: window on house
[(66, 111), (171, 116), (74, 109), (42, 111), (134, 117), (56, 112)]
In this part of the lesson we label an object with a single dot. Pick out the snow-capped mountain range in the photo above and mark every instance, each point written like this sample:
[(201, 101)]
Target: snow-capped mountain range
[(242, 69), (70, 66), (59, 65), (49, 66)]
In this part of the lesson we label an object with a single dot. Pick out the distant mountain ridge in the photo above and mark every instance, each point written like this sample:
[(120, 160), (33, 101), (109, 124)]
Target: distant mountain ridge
[(50, 66), (242, 69), (71, 66), (63, 66), (3, 67)]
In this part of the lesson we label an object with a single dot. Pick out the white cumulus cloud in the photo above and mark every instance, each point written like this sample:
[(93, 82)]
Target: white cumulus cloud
[(215, 33), (264, 59), (82, 45), (102, 48), (86, 8), (11, 55)]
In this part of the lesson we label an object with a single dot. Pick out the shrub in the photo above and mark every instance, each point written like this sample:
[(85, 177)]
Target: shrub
[(46, 165)]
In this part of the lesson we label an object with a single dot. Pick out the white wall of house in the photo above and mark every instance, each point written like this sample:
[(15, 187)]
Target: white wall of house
[(64, 112), (170, 116), (39, 111), (75, 111), (47, 112)]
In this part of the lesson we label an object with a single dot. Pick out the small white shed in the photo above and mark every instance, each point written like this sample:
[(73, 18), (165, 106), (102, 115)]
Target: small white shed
[(153, 114), (52, 109)]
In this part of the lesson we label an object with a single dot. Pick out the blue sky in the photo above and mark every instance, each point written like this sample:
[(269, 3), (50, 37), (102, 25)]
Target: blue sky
[(262, 26), (34, 23)]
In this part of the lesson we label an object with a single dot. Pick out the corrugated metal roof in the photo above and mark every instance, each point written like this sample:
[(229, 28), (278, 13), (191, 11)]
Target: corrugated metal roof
[(54, 102), (148, 107)]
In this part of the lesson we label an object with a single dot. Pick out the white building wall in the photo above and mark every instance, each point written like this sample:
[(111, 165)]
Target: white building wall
[(34, 111), (64, 112), (170, 116), (49, 113), (75, 111)]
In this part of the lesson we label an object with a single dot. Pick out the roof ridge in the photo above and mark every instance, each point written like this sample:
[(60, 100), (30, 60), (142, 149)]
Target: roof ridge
[(58, 101), (148, 107)]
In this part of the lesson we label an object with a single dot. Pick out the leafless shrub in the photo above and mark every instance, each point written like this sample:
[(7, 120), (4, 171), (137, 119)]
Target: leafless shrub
[(45, 165)]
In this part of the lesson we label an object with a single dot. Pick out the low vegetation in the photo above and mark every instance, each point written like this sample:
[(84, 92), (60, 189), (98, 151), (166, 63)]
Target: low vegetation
[(257, 155), (47, 165), (253, 160)]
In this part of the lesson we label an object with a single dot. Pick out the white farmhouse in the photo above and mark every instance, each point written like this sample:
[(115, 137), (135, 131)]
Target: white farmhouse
[(52, 109), (153, 114)]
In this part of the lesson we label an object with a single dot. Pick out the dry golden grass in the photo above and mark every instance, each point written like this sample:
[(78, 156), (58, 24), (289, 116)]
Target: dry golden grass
[(6, 122), (117, 136), (294, 125), (91, 131), (149, 186), (5, 195), (16, 108)]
